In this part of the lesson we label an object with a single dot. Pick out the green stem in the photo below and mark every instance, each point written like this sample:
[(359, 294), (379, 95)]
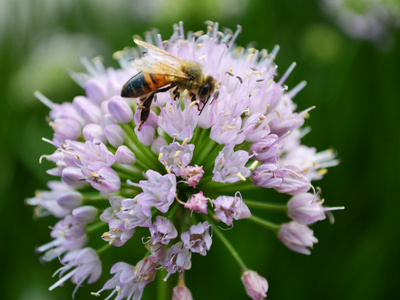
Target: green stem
[(272, 226), (103, 249), (95, 226), (161, 286), (227, 244), (266, 205)]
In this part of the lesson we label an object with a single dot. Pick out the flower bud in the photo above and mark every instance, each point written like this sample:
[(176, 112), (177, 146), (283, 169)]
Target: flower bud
[(95, 91), (120, 110), (115, 135), (85, 214), (181, 293), (70, 200), (256, 286), (94, 131), (297, 237), (124, 155), (73, 176)]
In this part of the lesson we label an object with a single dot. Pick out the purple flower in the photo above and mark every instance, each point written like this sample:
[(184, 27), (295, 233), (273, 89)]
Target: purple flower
[(234, 121), (307, 208), (83, 264), (120, 110), (198, 238), (192, 174), (297, 237), (118, 234), (125, 156), (129, 281), (51, 202), (158, 191), (256, 286), (230, 165), (176, 259), (176, 157), (198, 203), (228, 209), (181, 292), (134, 213), (162, 231)]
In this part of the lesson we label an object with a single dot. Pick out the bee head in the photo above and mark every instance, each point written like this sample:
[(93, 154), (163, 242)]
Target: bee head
[(206, 89)]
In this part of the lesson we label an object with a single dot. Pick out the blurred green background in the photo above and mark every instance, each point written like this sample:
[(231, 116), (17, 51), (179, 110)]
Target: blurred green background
[(354, 85)]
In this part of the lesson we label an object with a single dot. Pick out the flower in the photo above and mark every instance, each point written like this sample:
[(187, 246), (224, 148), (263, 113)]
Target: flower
[(84, 264), (297, 237), (192, 158), (256, 286)]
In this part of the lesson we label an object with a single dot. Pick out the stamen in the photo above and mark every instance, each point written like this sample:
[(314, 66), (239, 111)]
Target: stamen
[(184, 142), (202, 57), (177, 153), (95, 175), (175, 135), (241, 176), (251, 93), (230, 127), (253, 165), (322, 171)]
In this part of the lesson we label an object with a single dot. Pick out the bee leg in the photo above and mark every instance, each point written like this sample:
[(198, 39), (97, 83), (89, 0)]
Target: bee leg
[(193, 99), (176, 93), (161, 91), (145, 108)]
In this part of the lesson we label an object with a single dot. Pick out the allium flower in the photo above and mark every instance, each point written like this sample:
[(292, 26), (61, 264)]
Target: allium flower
[(256, 286), (177, 166), (297, 237)]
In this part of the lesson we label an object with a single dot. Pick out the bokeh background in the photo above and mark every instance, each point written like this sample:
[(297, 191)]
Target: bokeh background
[(353, 80)]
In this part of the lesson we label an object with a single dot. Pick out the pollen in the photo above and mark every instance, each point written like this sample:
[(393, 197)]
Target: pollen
[(177, 153), (231, 127), (95, 175), (202, 57)]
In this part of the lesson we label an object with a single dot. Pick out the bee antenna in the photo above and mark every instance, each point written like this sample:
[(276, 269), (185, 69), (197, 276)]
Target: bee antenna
[(204, 105)]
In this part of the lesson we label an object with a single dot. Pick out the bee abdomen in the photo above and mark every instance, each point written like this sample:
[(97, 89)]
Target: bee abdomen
[(142, 84), (135, 87)]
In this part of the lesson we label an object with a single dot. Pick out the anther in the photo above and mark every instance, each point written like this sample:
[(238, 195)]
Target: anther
[(241, 176), (177, 153)]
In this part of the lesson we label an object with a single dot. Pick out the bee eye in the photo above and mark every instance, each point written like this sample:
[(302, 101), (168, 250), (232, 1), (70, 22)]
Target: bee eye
[(190, 77), (204, 91)]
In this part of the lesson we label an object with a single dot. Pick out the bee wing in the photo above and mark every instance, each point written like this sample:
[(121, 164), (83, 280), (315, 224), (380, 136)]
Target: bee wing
[(158, 61), (158, 53), (149, 64)]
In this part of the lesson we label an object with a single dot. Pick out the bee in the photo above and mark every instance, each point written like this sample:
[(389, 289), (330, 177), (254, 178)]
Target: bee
[(161, 71)]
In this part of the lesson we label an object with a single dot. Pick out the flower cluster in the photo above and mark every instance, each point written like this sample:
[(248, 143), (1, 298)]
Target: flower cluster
[(184, 174)]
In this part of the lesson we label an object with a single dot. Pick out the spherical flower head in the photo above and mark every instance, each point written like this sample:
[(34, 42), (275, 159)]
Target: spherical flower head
[(297, 237), (155, 160), (256, 286)]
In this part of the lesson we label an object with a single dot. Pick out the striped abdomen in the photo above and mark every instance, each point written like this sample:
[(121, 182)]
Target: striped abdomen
[(143, 83)]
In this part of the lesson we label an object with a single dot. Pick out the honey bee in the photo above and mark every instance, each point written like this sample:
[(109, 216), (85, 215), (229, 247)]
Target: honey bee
[(161, 71)]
